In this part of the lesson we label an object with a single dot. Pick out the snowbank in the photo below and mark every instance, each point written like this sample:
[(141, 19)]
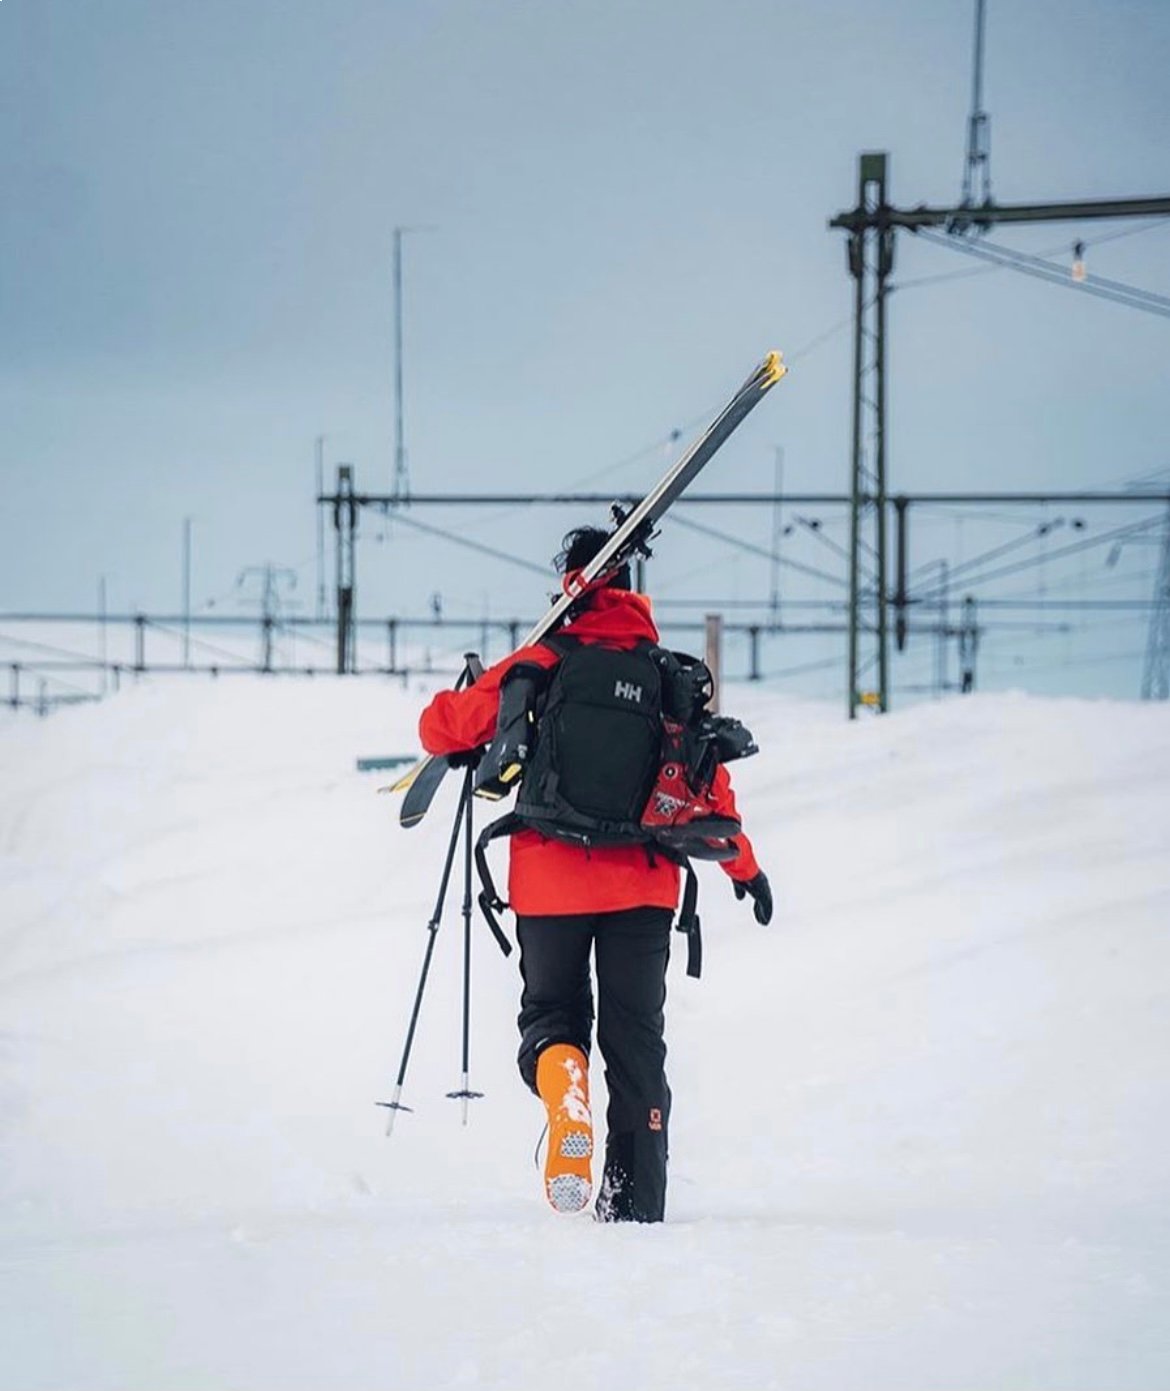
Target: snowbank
[(921, 1121)]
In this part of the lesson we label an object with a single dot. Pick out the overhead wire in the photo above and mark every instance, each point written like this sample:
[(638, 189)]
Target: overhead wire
[(1084, 242), (1140, 480), (62, 652), (1038, 534), (1002, 258), (827, 541), (1132, 528), (834, 605), (664, 586), (934, 513), (300, 632), (674, 436), (1157, 222), (201, 643), (1099, 660), (1117, 291), (1071, 605), (822, 665), (456, 540), (44, 675), (1133, 579), (751, 548)]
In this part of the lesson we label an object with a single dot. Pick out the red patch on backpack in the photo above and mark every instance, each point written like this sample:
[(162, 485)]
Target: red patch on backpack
[(655, 1118)]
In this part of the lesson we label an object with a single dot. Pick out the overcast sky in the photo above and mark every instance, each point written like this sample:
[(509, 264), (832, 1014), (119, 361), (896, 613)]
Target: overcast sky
[(626, 204)]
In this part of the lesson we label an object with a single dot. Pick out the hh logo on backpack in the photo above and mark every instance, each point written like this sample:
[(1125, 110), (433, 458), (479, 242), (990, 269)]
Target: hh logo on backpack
[(626, 690)]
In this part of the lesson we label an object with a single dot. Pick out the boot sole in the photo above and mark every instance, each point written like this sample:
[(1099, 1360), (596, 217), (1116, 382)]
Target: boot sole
[(569, 1192), (577, 1144)]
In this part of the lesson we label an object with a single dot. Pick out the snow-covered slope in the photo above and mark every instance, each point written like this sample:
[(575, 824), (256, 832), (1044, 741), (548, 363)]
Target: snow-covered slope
[(921, 1121)]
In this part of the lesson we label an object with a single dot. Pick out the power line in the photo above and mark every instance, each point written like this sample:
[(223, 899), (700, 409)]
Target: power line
[(814, 343), (1032, 498), (834, 605), (813, 526), (42, 647), (937, 514), (1099, 660), (1131, 580), (1115, 290), (1158, 222), (996, 551), (198, 642), (470, 545), (823, 665), (301, 635), (752, 549), (1131, 529), (946, 276), (1138, 606)]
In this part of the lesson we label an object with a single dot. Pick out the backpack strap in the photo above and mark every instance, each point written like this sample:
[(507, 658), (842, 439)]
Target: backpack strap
[(490, 902), (688, 921), (561, 643)]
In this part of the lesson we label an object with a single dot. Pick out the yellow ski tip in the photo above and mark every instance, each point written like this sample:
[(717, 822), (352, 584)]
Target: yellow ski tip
[(404, 782), (773, 369)]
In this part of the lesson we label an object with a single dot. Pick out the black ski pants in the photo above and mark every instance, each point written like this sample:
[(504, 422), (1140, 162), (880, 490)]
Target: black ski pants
[(632, 948)]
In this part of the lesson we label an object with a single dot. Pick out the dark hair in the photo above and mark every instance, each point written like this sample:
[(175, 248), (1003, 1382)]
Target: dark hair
[(578, 548)]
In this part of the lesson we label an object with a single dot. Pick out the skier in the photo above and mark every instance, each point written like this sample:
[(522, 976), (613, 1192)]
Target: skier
[(619, 901)]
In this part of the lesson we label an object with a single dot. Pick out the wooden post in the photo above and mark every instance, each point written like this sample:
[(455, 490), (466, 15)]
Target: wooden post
[(714, 658)]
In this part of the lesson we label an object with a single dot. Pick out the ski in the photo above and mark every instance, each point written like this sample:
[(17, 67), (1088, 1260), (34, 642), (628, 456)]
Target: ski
[(420, 785), (632, 533)]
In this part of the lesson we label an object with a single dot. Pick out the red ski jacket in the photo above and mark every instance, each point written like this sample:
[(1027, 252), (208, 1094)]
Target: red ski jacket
[(549, 877)]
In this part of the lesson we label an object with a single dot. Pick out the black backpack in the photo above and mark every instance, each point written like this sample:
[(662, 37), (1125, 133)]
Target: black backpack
[(598, 745), (612, 747)]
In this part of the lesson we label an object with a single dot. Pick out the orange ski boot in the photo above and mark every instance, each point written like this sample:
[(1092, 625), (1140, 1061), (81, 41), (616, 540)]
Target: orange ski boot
[(562, 1079)]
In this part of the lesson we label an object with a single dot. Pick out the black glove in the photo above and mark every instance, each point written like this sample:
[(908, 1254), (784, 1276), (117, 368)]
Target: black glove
[(465, 758), (761, 892)]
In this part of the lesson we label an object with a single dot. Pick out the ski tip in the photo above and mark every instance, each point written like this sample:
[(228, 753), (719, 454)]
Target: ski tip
[(772, 370), (407, 780)]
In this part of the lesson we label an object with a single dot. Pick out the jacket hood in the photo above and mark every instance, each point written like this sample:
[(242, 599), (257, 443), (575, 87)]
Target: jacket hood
[(617, 615)]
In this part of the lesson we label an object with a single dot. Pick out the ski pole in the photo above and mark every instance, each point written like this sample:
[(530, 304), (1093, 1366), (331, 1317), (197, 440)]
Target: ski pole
[(465, 1094), (394, 1105)]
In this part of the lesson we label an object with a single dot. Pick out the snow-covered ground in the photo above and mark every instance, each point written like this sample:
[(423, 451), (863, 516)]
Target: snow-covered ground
[(920, 1136)]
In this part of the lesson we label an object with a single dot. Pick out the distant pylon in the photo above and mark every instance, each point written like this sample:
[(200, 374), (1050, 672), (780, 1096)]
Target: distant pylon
[(401, 475), (977, 170), (1156, 676)]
